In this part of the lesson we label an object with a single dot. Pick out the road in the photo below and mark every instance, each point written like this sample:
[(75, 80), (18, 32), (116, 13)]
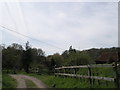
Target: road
[(21, 81)]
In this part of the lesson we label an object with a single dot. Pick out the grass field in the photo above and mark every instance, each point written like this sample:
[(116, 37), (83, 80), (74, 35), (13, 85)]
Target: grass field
[(102, 72), (8, 82), (67, 82), (62, 82)]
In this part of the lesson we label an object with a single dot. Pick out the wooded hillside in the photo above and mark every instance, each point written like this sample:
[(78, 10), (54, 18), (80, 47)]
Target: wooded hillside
[(17, 57)]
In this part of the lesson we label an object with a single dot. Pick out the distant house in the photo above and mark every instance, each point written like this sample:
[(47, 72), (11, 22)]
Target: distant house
[(107, 57)]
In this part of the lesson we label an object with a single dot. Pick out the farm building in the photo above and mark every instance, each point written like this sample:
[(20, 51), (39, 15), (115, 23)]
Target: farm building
[(107, 57)]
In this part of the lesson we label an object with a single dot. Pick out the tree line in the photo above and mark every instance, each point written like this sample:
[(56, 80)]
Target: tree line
[(18, 58)]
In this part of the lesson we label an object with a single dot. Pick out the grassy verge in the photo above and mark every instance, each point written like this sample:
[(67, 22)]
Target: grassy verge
[(67, 82), (30, 84), (8, 81)]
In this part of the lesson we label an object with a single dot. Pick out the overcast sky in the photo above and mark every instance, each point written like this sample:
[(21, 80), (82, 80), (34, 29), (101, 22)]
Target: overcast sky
[(57, 25)]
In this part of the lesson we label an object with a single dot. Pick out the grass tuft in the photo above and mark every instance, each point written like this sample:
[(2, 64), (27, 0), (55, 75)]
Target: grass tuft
[(30, 84), (8, 81)]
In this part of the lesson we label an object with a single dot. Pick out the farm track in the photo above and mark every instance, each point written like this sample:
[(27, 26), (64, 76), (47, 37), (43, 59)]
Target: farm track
[(21, 81)]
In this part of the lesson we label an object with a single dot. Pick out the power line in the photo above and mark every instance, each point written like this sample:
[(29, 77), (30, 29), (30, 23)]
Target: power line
[(30, 37), (9, 12)]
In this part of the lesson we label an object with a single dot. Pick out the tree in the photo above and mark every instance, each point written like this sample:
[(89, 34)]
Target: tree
[(58, 59), (38, 56), (66, 54), (70, 48), (11, 56), (40, 52), (77, 58), (83, 59), (17, 46), (27, 57)]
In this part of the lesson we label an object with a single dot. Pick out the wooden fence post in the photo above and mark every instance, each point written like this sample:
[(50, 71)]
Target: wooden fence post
[(54, 71), (74, 70), (89, 74), (98, 80), (58, 71), (106, 83), (93, 79), (64, 70), (117, 75)]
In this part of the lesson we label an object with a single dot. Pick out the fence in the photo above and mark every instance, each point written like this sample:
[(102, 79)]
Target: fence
[(66, 71)]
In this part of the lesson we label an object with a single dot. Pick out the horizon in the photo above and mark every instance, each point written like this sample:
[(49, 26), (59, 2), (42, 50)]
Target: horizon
[(58, 52)]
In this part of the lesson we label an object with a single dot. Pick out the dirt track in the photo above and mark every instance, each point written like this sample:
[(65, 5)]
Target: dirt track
[(21, 81)]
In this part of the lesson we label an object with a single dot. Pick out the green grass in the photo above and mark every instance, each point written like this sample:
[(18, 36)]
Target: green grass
[(30, 84), (8, 81), (62, 82), (102, 72)]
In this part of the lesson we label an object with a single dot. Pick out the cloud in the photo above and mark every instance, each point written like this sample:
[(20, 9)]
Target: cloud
[(12, 18), (83, 25)]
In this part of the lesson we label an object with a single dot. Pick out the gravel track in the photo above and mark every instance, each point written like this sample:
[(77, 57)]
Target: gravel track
[(21, 81)]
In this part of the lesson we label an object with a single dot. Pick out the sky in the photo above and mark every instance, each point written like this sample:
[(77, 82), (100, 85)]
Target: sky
[(55, 26)]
